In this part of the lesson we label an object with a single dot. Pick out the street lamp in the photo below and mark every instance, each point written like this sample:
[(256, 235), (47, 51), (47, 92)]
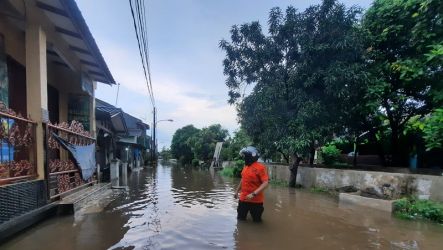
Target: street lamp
[(154, 139), (127, 154)]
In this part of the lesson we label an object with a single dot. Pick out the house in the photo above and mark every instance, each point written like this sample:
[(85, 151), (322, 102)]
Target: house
[(119, 136), (49, 68), (134, 147), (110, 126)]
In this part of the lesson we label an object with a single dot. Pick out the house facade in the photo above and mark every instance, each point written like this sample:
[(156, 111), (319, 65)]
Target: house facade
[(49, 68)]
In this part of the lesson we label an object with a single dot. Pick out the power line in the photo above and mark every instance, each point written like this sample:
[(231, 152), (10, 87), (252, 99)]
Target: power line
[(139, 22)]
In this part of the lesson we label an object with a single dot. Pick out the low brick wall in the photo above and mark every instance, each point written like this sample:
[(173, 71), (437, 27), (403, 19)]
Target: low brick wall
[(423, 186)]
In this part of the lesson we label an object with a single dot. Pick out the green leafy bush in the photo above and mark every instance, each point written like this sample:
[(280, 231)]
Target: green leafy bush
[(330, 154), (412, 208), (234, 171), (195, 162)]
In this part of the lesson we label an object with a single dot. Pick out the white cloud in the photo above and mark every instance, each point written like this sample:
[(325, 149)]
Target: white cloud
[(184, 102)]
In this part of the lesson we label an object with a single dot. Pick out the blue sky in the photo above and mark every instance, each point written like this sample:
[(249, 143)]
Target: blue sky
[(186, 62)]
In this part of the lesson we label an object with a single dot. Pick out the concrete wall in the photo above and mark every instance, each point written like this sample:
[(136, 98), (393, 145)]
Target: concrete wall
[(423, 186)]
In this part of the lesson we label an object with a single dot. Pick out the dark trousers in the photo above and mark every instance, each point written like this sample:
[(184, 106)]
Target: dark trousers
[(256, 210)]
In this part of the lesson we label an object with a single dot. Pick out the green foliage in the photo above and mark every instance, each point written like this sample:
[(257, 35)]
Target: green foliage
[(195, 162), (404, 57), (325, 71), (203, 142), (330, 154), (165, 154), (190, 143), (228, 172), (307, 75), (433, 130), (180, 147), (233, 145), (234, 171), (430, 128), (412, 208)]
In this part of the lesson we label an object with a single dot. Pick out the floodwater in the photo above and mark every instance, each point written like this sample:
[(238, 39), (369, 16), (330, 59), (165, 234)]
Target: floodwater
[(175, 208)]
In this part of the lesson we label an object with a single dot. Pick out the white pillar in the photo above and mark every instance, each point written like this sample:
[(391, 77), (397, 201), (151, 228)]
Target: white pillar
[(36, 86), (114, 172), (124, 174)]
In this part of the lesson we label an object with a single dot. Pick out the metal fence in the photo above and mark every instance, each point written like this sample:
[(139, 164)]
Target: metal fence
[(64, 176), (17, 149)]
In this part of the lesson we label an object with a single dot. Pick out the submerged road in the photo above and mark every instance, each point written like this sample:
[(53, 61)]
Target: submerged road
[(176, 208)]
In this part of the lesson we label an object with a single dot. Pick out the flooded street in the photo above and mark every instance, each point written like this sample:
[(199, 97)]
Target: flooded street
[(175, 208)]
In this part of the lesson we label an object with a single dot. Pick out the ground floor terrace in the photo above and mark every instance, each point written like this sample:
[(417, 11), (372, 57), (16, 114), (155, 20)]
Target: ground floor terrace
[(170, 207)]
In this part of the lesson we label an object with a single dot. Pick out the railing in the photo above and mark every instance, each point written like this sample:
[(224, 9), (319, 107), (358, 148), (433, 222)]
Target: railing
[(64, 175), (17, 147)]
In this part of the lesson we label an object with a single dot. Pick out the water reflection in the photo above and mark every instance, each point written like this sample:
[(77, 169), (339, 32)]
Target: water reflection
[(181, 208), (178, 208)]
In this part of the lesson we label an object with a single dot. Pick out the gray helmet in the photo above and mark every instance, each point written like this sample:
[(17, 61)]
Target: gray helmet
[(249, 154)]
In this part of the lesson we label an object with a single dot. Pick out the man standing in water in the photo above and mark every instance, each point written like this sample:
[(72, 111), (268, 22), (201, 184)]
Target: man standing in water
[(254, 179)]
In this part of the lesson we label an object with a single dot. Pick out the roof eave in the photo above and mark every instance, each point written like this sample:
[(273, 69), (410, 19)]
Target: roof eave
[(79, 21)]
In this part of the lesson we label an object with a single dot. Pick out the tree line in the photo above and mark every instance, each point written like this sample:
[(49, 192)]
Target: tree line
[(333, 71), (193, 146)]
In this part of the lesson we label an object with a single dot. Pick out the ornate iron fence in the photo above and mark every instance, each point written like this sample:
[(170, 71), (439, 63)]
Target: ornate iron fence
[(17, 147), (64, 175)]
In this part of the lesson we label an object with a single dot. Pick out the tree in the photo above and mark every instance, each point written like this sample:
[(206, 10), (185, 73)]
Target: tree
[(232, 147), (165, 154), (203, 143), (430, 128), (405, 54), (180, 147), (307, 75)]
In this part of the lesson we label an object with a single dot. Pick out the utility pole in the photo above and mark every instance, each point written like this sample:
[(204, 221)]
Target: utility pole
[(154, 138)]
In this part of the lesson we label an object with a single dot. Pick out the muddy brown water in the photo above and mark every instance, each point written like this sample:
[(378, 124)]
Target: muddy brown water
[(175, 208)]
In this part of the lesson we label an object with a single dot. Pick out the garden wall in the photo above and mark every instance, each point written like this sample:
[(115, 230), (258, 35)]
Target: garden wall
[(400, 184)]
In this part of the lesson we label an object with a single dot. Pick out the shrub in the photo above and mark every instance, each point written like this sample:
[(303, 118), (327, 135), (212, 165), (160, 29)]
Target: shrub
[(234, 171), (195, 162), (330, 154), (319, 190), (412, 208)]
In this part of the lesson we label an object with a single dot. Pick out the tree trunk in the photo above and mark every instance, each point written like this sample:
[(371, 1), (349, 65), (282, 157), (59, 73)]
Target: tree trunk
[(284, 156), (380, 151), (395, 150)]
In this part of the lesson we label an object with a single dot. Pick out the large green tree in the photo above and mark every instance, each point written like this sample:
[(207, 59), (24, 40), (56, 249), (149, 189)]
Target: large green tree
[(203, 143), (307, 75), (180, 147), (405, 56)]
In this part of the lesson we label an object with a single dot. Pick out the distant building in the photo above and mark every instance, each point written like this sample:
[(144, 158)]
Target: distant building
[(133, 148)]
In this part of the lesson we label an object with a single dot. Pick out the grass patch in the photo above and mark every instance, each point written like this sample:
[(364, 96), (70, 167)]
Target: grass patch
[(319, 190), (413, 209), (228, 172), (233, 172)]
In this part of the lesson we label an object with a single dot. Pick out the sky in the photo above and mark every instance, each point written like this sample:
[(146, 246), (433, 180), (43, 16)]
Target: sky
[(186, 61)]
